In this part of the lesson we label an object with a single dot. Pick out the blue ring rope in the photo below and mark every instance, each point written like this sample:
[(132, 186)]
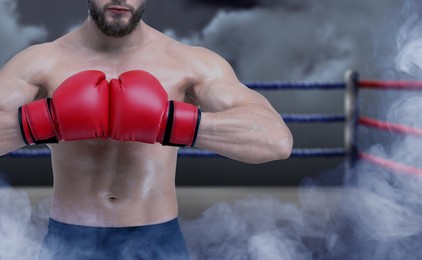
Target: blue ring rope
[(296, 153), (29, 153), (313, 118), (192, 153), (278, 85)]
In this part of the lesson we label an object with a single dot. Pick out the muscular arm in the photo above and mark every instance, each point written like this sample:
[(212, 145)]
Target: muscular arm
[(16, 88), (236, 122)]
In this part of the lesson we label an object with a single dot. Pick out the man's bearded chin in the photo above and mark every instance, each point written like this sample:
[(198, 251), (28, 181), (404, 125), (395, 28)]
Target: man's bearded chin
[(116, 28)]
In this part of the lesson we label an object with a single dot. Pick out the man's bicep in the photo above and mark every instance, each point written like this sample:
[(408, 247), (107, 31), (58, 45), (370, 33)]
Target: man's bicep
[(222, 95), (218, 86), (16, 83)]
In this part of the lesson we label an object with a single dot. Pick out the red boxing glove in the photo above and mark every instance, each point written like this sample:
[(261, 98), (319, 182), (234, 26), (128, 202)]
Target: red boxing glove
[(140, 111), (78, 110)]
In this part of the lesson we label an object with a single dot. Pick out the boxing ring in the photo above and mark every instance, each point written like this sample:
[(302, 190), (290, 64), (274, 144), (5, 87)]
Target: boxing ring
[(350, 118)]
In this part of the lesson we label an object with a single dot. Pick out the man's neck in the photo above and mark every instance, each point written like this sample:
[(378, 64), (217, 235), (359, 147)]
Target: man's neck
[(94, 38)]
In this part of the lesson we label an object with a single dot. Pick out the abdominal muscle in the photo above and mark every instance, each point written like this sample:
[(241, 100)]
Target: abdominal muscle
[(113, 184)]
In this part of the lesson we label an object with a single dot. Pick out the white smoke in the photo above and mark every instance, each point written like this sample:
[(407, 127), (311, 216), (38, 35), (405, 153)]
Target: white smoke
[(255, 228), (409, 41), (14, 36), (22, 226), (377, 215)]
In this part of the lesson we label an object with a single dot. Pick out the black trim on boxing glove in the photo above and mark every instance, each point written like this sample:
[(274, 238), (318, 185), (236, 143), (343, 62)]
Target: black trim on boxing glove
[(169, 125)]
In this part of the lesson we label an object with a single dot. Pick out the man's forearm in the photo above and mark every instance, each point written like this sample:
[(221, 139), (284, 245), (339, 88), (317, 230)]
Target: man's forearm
[(10, 134), (250, 134)]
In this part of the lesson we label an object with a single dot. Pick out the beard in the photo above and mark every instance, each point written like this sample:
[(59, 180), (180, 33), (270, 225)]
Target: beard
[(116, 28)]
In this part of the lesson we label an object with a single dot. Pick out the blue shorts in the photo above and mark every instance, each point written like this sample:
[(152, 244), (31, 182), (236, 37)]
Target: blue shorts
[(160, 241)]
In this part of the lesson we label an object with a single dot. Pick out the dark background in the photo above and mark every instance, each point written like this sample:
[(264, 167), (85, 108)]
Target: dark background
[(264, 40)]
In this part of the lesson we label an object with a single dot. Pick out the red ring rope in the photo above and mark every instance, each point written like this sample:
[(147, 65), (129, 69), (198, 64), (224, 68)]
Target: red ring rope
[(391, 165), (392, 127), (397, 84)]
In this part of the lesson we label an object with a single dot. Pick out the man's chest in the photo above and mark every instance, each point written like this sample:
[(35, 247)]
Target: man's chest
[(170, 73)]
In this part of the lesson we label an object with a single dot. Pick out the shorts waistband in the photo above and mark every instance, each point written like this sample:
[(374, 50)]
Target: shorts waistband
[(152, 229)]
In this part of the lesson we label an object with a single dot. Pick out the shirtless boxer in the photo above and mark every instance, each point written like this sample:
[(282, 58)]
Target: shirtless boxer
[(119, 83)]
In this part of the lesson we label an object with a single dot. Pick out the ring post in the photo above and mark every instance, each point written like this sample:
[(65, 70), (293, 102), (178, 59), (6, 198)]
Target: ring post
[(351, 118)]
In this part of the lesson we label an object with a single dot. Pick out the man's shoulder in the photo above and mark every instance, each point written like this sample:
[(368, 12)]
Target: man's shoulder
[(192, 53), (201, 57), (38, 51), (171, 45), (37, 54), (193, 56), (31, 64)]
